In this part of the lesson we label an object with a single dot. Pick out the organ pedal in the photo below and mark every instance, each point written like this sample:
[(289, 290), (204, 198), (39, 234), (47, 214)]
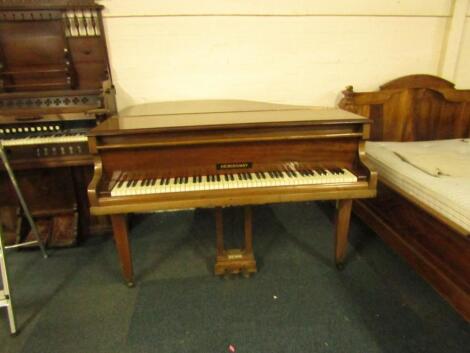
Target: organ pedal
[(234, 261)]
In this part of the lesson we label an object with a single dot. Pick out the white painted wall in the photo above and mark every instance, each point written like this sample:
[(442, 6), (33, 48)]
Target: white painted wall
[(463, 65), (287, 51)]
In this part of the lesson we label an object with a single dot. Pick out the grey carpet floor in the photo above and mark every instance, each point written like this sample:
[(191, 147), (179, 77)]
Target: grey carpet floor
[(298, 302)]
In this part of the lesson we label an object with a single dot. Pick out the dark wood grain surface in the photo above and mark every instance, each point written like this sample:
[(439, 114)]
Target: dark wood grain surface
[(54, 70)]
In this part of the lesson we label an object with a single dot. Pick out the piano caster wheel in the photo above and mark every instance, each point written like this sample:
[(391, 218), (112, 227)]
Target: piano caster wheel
[(130, 284), (340, 266)]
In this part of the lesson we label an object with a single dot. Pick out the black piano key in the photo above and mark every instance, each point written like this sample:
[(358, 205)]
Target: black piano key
[(153, 181), (218, 177), (339, 171), (167, 181), (162, 181)]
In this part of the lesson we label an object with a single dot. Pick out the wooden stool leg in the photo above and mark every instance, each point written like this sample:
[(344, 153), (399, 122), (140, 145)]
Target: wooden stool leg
[(121, 239), (343, 216)]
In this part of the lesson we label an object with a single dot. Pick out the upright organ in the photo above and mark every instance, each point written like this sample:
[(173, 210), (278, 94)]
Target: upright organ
[(55, 85)]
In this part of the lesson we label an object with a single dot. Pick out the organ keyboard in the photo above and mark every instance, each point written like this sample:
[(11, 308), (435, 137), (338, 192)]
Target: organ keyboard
[(48, 142), (226, 153)]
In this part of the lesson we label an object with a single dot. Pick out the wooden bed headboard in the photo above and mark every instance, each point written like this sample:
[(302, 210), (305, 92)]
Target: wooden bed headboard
[(413, 108)]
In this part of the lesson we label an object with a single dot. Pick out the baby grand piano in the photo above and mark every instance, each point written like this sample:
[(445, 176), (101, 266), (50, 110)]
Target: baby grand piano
[(55, 85), (213, 154)]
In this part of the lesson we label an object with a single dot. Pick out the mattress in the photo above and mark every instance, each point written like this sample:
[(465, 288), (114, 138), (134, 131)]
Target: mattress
[(407, 166)]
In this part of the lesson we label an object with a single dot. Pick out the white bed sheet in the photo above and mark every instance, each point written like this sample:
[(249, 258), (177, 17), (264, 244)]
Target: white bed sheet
[(448, 195)]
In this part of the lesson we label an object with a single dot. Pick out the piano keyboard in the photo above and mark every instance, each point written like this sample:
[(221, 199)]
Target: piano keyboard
[(144, 186), (40, 140)]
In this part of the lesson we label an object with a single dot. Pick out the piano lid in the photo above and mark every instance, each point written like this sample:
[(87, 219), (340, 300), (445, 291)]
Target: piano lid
[(213, 114)]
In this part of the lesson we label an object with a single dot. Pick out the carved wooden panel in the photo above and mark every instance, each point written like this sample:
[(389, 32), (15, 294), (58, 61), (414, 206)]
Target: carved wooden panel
[(413, 108)]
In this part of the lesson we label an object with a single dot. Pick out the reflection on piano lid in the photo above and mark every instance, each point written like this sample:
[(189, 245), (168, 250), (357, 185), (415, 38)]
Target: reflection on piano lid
[(220, 113)]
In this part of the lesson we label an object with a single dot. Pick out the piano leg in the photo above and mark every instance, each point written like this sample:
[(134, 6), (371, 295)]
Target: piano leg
[(121, 239), (343, 216), (219, 230)]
